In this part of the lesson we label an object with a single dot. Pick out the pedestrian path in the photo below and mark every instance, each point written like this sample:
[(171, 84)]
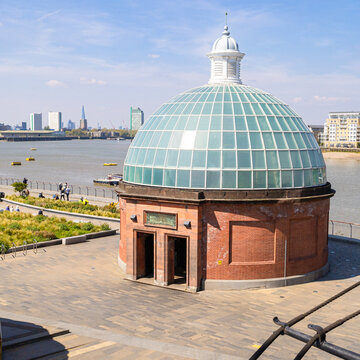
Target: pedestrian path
[(82, 289)]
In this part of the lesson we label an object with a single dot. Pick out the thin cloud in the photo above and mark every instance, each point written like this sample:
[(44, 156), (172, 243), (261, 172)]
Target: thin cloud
[(55, 83), (86, 81), (154, 56), (297, 99), (47, 15), (329, 99)]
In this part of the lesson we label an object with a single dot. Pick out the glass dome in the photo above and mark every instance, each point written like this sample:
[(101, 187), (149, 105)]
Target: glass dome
[(225, 137)]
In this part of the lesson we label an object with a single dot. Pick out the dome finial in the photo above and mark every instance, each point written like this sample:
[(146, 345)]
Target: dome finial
[(226, 28)]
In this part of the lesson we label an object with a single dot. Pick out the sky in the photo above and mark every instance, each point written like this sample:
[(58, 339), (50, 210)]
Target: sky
[(112, 54)]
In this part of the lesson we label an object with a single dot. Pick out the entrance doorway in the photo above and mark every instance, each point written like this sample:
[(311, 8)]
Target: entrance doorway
[(177, 263), (145, 254)]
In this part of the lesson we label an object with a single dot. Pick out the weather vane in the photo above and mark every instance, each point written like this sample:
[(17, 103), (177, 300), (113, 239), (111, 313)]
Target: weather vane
[(226, 14)]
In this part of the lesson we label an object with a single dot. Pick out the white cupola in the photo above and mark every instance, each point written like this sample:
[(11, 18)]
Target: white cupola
[(225, 60)]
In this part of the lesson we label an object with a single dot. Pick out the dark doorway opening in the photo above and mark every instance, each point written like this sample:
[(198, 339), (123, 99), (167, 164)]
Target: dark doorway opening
[(180, 259), (145, 255)]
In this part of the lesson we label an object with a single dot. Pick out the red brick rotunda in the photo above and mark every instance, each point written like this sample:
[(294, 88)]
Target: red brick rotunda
[(224, 188)]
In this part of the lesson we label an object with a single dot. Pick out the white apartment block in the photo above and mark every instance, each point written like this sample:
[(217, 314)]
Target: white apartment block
[(342, 129), (35, 121), (54, 120)]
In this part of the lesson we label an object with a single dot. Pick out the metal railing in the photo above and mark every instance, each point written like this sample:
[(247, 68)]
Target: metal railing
[(101, 192), (14, 249), (343, 228)]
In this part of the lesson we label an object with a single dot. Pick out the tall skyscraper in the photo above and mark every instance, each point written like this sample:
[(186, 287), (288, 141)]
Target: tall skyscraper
[(71, 125), (54, 120), (83, 121), (35, 121), (136, 118)]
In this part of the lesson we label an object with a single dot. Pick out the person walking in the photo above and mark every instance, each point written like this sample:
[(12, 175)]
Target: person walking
[(62, 193), (67, 193)]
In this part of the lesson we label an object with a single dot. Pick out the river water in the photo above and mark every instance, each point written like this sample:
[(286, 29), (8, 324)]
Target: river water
[(80, 161)]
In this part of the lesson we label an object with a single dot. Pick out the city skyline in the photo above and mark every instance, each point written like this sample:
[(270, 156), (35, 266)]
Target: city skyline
[(61, 56)]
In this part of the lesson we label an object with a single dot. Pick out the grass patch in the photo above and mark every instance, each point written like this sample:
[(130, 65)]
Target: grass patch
[(70, 206), (17, 227)]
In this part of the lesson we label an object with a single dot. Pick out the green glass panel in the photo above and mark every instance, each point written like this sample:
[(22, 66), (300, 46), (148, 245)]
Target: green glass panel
[(273, 109), (126, 173), (268, 140), (251, 123), (188, 109), (169, 177), (242, 140), (259, 179), (147, 138), (286, 178), (207, 108), (263, 123), (280, 141), (138, 175), (197, 109), (199, 159), (282, 123), (251, 98), (238, 109), (227, 97), (165, 138), (257, 109), (172, 157), (258, 158), (180, 125), (273, 123), (299, 140), (284, 160), (244, 161), (244, 179), (228, 108), (141, 157), (211, 97), (157, 177), (229, 160), (298, 178), (235, 98), (171, 123), (274, 179), (312, 158), (149, 159), (131, 173), (243, 98), (155, 139), (228, 123), (305, 159), (217, 108), (295, 159), (183, 178), (255, 140), (201, 140), (272, 160), (291, 124), (240, 123), (247, 108), (215, 122), (185, 158), (228, 140), (308, 181), (213, 159), (147, 176), (192, 123), (214, 140), (175, 139), (197, 179), (213, 179), (179, 109), (204, 123), (159, 157), (290, 141), (320, 157), (266, 109), (316, 175), (229, 179), (219, 96)]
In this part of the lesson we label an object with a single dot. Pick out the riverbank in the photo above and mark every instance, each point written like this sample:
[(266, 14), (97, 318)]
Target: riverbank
[(341, 155)]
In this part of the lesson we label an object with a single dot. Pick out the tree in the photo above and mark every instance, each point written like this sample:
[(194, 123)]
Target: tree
[(19, 187)]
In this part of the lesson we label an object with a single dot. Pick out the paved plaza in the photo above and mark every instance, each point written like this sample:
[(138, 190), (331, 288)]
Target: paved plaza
[(80, 288)]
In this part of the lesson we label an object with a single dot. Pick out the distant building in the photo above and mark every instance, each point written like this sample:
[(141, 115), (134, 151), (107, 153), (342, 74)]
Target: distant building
[(23, 125), (35, 122), (136, 118), (318, 131), (83, 121), (71, 125), (55, 120), (342, 129), (4, 127)]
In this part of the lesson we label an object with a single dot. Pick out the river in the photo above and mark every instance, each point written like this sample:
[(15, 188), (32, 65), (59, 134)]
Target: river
[(81, 161)]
